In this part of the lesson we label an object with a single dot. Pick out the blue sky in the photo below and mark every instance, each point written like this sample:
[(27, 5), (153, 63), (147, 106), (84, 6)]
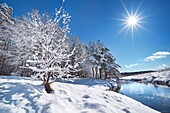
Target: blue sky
[(98, 20)]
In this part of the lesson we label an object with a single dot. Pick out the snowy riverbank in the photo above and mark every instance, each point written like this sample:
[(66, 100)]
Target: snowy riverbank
[(22, 95), (160, 78)]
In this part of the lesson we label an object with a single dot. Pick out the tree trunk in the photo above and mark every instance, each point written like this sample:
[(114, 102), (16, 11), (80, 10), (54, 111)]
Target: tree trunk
[(44, 79), (93, 71), (100, 73), (2, 66), (96, 72), (1, 59), (105, 75), (48, 88)]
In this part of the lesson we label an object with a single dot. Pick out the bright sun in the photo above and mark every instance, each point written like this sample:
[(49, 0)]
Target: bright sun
[(132, 20)]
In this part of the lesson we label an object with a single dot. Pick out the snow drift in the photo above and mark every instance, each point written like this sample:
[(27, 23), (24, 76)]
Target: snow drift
[(23, 95)]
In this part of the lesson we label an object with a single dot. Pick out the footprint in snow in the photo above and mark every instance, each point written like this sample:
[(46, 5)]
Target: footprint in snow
[(62, 92), (86, 96), (126, 110), (118, 100), (93, 105), (69, 99)]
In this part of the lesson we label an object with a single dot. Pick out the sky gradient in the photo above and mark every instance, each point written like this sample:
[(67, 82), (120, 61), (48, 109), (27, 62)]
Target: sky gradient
[(98, 20)]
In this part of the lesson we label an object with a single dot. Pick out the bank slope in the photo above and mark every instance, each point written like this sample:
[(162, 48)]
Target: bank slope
[(160, 78), (23, 95)]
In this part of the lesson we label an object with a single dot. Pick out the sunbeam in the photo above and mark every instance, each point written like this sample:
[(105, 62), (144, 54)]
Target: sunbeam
[(132, 20)]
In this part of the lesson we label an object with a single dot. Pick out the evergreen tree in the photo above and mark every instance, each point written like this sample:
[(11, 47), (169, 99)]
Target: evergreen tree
[(101, 60)]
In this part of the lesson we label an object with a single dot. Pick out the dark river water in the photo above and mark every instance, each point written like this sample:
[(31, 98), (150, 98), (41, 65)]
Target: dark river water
[(156, 97)]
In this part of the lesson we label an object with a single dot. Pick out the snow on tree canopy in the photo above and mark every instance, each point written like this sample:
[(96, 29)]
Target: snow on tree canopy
[(42, 44), (46, 42), (5, 12), (6, 47), (101, 59)]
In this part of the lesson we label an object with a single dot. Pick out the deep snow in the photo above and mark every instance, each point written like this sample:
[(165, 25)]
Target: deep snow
[(23, 95)]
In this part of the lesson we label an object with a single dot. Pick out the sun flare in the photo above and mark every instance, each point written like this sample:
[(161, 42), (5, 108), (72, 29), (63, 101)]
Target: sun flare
[(132, 20)]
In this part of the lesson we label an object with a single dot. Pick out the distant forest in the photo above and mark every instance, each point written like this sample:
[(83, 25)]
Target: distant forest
[(136, 73)]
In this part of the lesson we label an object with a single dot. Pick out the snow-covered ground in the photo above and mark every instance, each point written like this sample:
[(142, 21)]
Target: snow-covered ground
[(162, 78), (23, 95)]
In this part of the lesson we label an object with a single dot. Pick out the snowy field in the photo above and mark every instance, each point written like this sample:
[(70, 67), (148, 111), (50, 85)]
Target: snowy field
[(162, 78), (23, 95)]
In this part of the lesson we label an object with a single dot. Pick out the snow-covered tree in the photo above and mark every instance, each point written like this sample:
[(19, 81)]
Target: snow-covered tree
[(91, 58), (78, 57), (43, 45), (6, 47), (5, 13), (21, 41), (101, 60), (109, 66)]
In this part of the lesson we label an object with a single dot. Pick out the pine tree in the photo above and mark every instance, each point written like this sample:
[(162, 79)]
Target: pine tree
[(101, 60)]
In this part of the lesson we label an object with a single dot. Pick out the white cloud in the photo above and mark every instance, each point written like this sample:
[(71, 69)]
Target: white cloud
[(153, 58), (162, 66), (157, 55), (131, 65), (162, 53)]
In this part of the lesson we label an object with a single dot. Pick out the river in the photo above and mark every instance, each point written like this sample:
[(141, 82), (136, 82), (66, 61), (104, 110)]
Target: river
[(156, 97)]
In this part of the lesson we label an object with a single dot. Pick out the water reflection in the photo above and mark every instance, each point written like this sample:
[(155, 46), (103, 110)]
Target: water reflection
[(156, 97)]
